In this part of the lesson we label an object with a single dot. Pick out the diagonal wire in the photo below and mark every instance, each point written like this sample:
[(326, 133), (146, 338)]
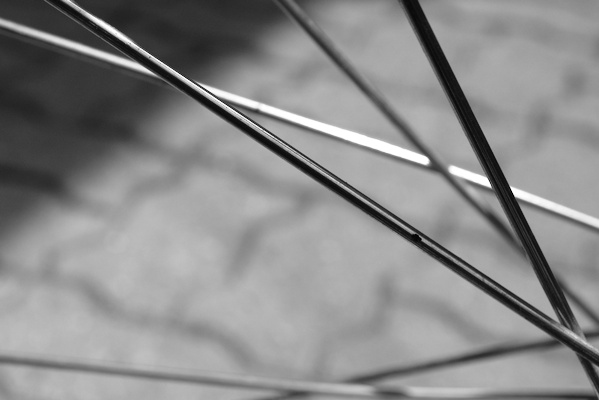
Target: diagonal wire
[(396, 153), (105, 59), (329, 180), (490, 352), (487, 353), (112, 61), (438, 363), (299, 16), (276, 384), (491, 167)]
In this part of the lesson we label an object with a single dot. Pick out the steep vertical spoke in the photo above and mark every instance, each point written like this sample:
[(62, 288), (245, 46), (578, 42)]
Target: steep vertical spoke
[(491, 167)]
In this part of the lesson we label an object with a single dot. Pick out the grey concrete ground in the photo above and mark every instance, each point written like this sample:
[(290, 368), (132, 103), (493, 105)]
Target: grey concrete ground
[(139, 229)]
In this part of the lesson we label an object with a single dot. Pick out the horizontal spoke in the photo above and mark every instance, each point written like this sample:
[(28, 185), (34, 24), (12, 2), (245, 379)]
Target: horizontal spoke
[(484, 354), (262, 383), (396, 153), (328, 180)]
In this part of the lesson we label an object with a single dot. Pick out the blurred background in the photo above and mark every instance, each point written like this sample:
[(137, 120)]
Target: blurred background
[(137, 228)]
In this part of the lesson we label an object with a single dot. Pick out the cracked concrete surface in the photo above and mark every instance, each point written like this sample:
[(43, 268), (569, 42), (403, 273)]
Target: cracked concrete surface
[(138, 228)]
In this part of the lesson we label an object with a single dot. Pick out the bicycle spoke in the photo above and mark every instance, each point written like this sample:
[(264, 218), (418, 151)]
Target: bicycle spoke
[(309, 387), (80, 50), (327, 179), (297, 14), (394, 152), (484, 354), (491, 167)]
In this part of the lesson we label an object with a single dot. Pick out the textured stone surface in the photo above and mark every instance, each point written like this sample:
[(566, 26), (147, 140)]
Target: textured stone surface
[(137, 228)]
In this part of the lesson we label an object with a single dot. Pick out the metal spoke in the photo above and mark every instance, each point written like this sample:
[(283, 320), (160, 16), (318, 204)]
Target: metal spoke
[(105, 59), (491, 167), (297, 14), (350, 390), (361, 141), (327, 179), (309, 387), (484, 354)]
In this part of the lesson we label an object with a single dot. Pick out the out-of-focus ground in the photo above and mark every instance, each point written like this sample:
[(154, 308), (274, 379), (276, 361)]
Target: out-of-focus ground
[(139, 229)]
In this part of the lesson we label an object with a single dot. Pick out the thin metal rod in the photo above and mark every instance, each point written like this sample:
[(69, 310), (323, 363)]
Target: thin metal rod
[(361, 141), (484, 354), (329, 180), (276, 384), (299, 16), (87, 53), (487, 159)]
